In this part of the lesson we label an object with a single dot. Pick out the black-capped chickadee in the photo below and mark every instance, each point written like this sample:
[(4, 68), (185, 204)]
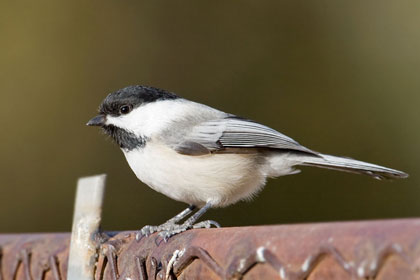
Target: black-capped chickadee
[(202, 156)]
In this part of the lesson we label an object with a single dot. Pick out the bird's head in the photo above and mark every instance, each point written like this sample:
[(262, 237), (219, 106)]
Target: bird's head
[(126, 115)]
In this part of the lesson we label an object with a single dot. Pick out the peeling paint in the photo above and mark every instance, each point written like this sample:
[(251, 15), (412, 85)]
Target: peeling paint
[(171, 264), (361, 271), (241, 265), (260, 254), (282, 273), (305, 265)]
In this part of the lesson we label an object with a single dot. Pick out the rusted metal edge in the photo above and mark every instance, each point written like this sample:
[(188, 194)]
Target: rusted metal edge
[(388, 249)]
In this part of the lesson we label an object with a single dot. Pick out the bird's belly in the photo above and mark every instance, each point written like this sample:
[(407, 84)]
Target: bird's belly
[(220, 179)]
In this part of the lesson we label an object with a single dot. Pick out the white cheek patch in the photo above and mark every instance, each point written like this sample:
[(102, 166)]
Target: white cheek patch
[(150, 118)]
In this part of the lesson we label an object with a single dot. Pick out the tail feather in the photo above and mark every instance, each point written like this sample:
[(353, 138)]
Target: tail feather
[(353, 166)]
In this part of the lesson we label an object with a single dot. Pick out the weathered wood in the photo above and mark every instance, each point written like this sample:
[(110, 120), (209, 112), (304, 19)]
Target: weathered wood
[(86, 221)]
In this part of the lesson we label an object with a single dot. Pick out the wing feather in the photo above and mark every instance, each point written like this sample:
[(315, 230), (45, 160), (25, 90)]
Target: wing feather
[(234, 132)]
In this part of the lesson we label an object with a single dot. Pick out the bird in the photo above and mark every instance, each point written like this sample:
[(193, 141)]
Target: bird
[(202, 156)]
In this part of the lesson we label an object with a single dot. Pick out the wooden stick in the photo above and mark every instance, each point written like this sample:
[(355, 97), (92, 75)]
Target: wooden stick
[(86, 222)]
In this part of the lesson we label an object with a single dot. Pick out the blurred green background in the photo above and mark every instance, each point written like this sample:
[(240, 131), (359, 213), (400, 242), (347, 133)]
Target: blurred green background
[(341, 77)]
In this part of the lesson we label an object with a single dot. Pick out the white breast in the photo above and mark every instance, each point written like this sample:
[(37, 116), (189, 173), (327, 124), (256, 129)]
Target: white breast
[(221, 179)]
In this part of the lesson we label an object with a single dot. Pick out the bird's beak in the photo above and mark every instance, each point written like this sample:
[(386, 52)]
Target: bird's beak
[(99, 120)]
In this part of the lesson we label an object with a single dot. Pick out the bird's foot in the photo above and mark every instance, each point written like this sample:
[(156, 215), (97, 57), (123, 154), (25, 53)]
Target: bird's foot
[(168, 229), (168, 233), (149, 230)]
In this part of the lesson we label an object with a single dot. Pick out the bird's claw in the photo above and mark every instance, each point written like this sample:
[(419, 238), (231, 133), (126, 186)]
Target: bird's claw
[(167, 230), (146, 231), (206, 224), (166, 234)]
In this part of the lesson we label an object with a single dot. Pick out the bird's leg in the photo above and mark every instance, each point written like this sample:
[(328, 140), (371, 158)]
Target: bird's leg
[(181, 215), (189, 223), (148, 230)]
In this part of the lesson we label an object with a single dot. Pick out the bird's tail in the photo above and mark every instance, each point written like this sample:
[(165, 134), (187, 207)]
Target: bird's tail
[(353, 166)]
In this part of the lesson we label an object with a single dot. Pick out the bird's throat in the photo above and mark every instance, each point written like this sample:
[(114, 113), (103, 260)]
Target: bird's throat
[(125, 139)]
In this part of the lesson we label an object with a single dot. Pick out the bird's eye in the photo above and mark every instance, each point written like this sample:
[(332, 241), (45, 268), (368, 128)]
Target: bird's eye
[(125, 109)]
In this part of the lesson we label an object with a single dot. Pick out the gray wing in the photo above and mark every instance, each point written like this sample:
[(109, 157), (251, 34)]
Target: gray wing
[(233, 132)]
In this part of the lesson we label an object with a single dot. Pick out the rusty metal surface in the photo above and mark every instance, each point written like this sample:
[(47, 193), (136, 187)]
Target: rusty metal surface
[(350, 250), (33, 256)]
